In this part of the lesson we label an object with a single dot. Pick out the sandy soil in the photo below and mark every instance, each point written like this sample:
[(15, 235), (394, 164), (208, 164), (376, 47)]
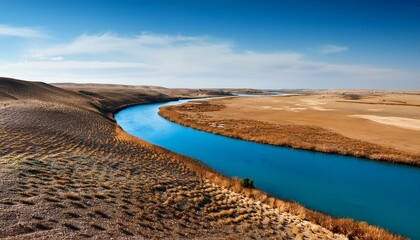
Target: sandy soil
[(408, 123), (67, 171), (374, 124)]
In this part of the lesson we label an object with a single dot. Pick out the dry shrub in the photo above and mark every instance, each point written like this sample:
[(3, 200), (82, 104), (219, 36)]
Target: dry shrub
[(73, 196)]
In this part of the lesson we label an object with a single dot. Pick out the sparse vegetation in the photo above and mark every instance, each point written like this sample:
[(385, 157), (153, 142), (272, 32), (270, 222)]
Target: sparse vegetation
[(73, 196), (71, 226), (247, 183)]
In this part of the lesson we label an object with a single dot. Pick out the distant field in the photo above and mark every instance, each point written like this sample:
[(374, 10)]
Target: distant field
[(381, 125)]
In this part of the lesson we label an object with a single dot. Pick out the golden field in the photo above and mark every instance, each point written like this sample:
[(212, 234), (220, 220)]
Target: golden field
[(379, 125), (68, 171)]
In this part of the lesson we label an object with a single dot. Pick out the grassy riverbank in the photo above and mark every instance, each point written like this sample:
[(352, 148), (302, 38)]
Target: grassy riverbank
[(323, 122)]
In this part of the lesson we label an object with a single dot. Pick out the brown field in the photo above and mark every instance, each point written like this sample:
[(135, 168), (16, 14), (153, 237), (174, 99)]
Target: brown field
[(379, 125), (68, 171)]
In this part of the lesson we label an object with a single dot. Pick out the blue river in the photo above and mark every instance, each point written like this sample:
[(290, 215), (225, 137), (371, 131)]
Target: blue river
[(382, 194)]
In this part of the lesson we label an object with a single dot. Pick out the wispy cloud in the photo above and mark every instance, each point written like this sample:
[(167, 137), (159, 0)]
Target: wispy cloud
[(109, 42), (23, 32), (192, 61), (327, 49)]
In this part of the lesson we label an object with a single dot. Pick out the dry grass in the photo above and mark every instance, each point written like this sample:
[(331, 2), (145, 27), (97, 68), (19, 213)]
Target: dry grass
[(296, 136), (73, 196)]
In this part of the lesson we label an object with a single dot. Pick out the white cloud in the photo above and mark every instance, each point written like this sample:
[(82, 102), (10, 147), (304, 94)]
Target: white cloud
[(23, 32), (192, 61), (108, 42), (327, 49), (70, 65), (42, 57)]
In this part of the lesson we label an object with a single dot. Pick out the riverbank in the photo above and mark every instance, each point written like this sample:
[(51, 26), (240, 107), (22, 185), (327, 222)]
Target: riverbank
[(67, 170), (331, 122)]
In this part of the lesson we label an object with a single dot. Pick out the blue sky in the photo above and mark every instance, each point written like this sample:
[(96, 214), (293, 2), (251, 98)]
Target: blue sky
[(200, 43)]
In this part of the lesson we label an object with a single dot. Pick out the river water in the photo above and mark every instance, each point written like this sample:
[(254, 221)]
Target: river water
[(387, 195)]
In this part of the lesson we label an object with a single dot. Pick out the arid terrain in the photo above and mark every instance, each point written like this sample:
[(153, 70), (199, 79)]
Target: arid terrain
[(379, 125), (68, 171)]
